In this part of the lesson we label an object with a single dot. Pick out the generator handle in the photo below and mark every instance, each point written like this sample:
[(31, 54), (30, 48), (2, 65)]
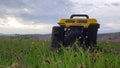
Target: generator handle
[(79, 15)]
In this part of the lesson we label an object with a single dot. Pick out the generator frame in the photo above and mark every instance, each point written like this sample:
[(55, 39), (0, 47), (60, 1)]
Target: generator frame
[(78, 27)]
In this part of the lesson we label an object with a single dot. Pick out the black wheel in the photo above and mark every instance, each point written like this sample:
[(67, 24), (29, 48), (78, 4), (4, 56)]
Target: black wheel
[(92, 36), (57, 37)]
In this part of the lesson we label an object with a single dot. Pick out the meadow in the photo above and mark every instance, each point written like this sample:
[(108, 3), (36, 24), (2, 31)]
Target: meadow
[(30, 53)]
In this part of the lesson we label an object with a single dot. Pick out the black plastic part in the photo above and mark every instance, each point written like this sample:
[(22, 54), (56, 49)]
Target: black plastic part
[(79, 15), (72, 35), (92, 35), (57, 36)]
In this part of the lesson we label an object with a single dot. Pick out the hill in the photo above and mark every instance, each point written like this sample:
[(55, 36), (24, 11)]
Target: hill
[(26, 36), (109, 36), (105, 36)]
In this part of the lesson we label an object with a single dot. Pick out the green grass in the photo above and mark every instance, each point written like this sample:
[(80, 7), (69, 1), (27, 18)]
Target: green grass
[(37, 54)]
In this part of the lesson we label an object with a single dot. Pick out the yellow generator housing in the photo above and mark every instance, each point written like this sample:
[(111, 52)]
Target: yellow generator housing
[(78, 26), (85, 22)]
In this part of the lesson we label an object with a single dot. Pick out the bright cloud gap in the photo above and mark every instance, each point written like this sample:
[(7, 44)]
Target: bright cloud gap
[(13, 25)]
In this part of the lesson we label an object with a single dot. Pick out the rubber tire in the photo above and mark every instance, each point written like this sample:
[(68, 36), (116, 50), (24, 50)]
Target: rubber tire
[(57, 37), (92, 36)]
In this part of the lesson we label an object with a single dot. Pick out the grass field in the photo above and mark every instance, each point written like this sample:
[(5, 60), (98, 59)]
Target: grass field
[(37, 54)]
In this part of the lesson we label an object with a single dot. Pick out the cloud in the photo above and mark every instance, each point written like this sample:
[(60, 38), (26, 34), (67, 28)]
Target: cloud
[(115, 4), (35, 10), (12, 3), (44, 11), (32, 16), (13, 25), (105, 11)]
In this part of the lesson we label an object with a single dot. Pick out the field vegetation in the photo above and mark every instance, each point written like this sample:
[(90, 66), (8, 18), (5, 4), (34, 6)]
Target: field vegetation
[(30, 53)]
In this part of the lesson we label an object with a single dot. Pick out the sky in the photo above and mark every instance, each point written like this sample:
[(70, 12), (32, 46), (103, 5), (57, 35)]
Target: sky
[(39, 16)]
